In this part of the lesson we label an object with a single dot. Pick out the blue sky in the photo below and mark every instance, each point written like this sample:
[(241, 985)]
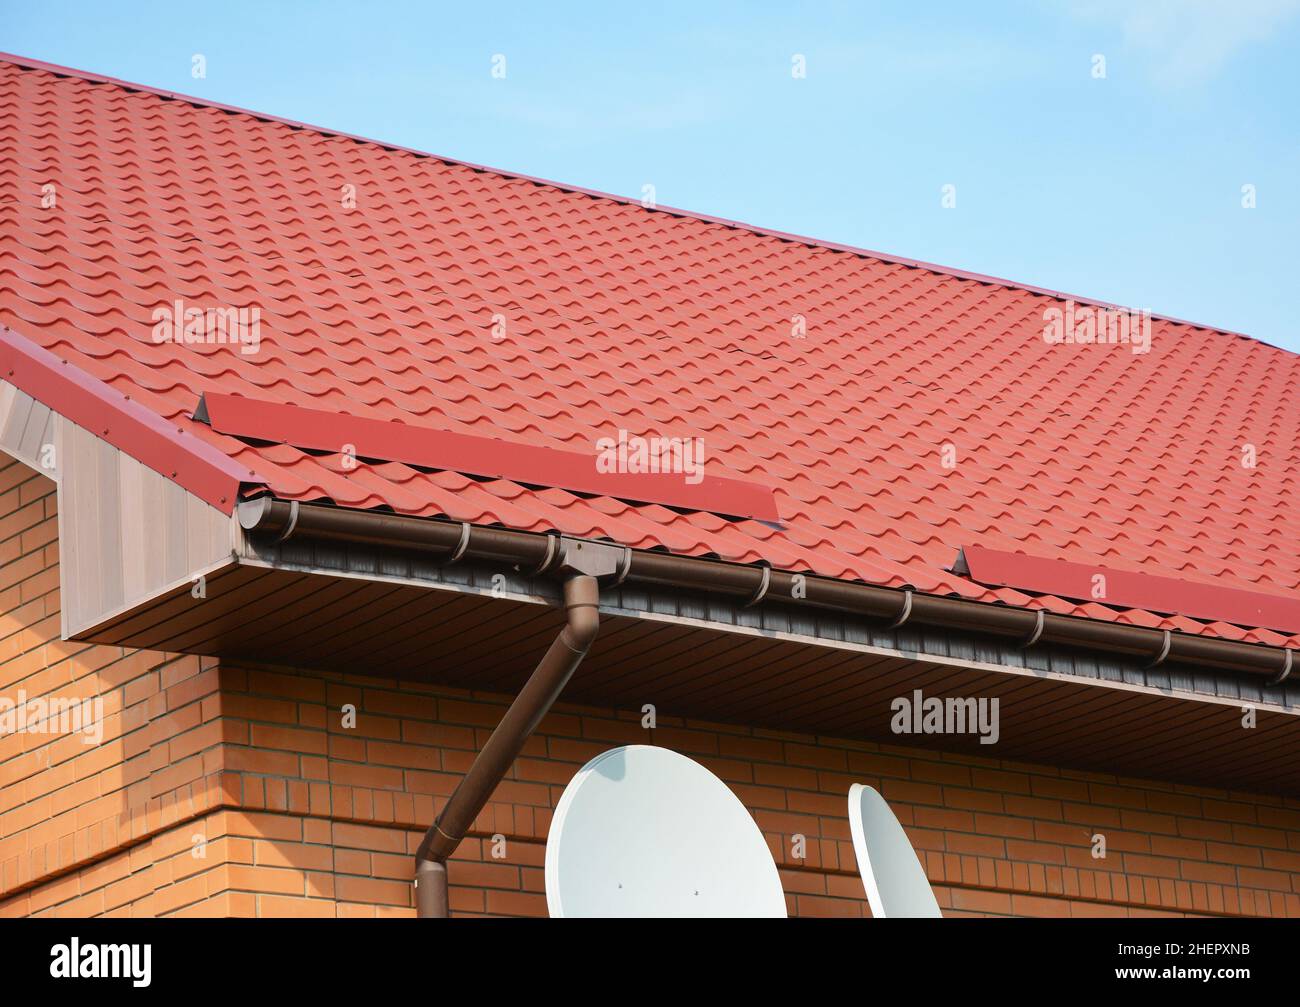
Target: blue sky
[(1125, 187)]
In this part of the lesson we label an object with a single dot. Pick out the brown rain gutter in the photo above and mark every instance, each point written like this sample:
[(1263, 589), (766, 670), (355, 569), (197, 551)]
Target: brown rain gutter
[(753, 584)]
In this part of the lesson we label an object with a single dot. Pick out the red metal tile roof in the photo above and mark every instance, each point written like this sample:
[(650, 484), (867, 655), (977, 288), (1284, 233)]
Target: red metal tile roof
[(656, 322)]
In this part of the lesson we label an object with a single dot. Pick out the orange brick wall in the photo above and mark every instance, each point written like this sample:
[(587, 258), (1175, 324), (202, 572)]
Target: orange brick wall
[(229, 790), (64, 804)]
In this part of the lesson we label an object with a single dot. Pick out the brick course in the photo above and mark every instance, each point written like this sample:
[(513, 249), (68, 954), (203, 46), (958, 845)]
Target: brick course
[(295, 815)]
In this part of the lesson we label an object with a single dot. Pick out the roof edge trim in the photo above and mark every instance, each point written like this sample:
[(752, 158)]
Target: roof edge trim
[(97, 407)]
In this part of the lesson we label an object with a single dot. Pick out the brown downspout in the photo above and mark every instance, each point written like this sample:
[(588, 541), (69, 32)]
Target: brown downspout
[(535, 699)]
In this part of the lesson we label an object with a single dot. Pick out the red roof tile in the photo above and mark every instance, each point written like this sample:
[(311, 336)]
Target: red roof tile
[(656, 322)]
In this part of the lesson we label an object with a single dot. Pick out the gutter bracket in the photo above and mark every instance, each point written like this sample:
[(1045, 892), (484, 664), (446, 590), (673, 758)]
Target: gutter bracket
[(461, 546), (1285, 673), (906, 613), (293, 522), (763, 585), (1164, 651), (552, 547), (1032, 638), (624, 569)]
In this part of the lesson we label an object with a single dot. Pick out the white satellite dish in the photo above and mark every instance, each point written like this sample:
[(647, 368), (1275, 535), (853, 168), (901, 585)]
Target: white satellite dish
[(642, 831), (891, 871)]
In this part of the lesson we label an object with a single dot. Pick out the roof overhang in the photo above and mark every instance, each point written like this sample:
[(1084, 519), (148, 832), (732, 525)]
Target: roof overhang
[(439, 611)]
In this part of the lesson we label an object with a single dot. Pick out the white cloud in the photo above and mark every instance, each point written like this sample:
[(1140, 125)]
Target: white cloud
[(1189, 41)]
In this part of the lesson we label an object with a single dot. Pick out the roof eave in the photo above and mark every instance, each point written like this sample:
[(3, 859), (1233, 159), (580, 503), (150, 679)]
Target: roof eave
[(755, 584)]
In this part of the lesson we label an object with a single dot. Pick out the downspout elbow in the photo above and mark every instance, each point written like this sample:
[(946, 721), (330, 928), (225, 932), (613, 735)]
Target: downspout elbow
[(581, 608)]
